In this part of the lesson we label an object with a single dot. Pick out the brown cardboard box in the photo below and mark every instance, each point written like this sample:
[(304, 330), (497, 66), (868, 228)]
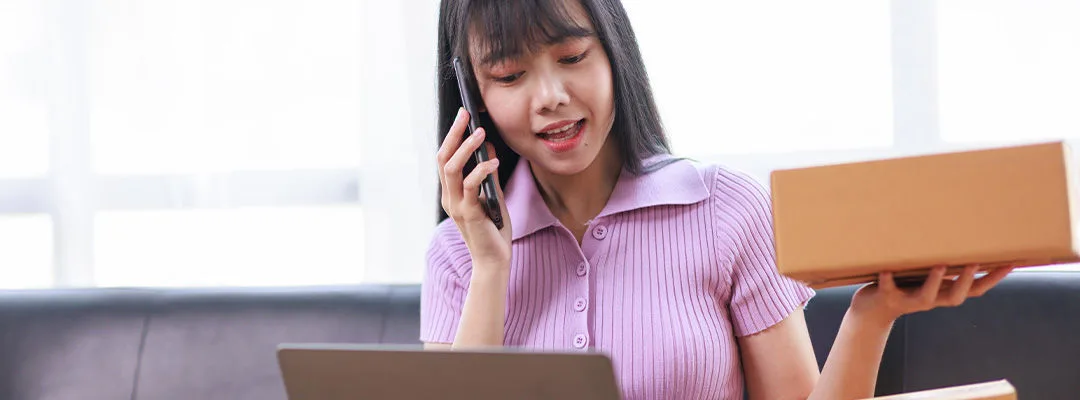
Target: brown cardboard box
[(843, 224), (996, 390)]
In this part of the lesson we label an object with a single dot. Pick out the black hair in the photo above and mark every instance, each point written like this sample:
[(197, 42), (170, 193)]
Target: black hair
[(510, 28)]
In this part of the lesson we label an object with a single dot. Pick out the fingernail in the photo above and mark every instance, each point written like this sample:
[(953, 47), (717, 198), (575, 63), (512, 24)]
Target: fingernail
[(460, 112), (495, 162)]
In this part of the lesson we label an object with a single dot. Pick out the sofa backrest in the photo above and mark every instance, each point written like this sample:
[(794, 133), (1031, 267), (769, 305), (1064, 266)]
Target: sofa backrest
[(221, 343), (183, 343), (70, 344)]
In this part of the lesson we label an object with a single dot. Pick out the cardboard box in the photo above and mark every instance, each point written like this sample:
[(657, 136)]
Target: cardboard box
[(996, 390), (843, 224)]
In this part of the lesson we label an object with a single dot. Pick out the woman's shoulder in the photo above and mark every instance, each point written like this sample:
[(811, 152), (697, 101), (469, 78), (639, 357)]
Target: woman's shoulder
[(737, 201), (730, 185)]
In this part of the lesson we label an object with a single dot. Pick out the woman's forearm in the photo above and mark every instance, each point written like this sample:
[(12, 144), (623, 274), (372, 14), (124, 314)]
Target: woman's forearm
[(484, 314), (851, 370)]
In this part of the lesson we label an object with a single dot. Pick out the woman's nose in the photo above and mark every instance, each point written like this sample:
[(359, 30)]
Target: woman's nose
[(550, 93)]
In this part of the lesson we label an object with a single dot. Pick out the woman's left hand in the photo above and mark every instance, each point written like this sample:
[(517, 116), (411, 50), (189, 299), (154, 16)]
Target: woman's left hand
[(885, 301)]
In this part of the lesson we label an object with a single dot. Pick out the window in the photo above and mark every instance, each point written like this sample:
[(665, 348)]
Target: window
[(197, 143), (232, 111), (769, 77), (1007, 70), (216, 86)]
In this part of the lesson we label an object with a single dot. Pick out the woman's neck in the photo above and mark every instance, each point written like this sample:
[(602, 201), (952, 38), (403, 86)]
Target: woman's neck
[(576, 199)]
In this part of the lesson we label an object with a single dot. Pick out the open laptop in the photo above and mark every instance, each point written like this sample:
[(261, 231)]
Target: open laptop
[(340, 371)]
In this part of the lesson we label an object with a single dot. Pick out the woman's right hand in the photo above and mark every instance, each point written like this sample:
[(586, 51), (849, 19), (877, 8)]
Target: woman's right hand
[(488, 245)]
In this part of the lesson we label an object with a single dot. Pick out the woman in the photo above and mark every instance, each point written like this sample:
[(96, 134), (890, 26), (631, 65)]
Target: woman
[(611, 244)]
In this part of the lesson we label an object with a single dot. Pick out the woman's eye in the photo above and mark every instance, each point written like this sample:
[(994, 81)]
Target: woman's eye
[(575, 59), (507, 78)]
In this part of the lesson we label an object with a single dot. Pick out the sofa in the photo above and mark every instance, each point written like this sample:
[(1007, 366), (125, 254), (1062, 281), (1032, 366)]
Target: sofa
[(220, 343)]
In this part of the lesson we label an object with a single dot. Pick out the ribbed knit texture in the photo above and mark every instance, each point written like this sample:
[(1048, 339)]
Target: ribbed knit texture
[(678, 265)]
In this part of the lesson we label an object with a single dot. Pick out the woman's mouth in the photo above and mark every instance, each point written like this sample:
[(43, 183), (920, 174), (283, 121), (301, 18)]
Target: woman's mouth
[(564, 138)]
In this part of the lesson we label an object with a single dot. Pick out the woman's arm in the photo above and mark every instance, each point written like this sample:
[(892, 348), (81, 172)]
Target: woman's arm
[(851, 370), (484, 314), (852, 367), (779, 362)]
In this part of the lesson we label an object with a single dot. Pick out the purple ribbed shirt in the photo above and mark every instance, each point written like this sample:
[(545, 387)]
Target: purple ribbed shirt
[(678, 264)]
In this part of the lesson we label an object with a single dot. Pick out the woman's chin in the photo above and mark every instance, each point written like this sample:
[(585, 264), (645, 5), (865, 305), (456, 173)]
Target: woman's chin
[(564, 166), (568, 163)]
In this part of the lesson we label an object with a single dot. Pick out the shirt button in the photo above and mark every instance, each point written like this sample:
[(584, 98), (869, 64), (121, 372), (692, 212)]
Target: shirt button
[(600, 232), (582, 269), (580, 341), (580, 304)]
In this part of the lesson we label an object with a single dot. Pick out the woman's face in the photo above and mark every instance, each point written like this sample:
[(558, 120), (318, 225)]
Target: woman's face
[(553, 106)]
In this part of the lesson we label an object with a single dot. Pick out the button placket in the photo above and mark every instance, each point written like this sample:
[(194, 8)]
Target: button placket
[(579, 305), (598, 231)]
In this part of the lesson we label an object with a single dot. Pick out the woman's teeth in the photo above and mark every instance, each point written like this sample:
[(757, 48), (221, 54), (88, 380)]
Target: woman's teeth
[(561, 134)]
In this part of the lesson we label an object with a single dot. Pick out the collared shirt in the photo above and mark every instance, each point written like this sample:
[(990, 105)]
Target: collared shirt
[(678, 264)]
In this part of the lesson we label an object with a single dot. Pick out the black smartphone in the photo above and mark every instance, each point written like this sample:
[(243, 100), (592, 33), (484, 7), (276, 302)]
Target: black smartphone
[(489, 198)]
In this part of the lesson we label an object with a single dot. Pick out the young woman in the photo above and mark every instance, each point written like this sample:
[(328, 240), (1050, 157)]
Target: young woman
[(610, 243)]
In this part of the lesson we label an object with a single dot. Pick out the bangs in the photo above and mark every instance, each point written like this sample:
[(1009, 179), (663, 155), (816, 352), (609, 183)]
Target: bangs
[(505, 30)]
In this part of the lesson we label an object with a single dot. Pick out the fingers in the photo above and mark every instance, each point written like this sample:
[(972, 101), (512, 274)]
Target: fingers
[(471, 185), (962, 287), (450, 144), (928, 294), (937, 290), (460, 196), (453, 137), (888, 285), (465, 152), (455, 165), (982, 285)]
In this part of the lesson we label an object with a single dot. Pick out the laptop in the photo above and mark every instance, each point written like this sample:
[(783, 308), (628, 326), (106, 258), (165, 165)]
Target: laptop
[(345, 371)]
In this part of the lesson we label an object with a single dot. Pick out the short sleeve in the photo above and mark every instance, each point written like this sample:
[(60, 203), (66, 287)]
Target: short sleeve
[(760, 296), (442, 294)]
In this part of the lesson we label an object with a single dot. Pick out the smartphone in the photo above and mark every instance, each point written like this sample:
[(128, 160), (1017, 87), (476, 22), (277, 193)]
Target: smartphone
[(489, 198)]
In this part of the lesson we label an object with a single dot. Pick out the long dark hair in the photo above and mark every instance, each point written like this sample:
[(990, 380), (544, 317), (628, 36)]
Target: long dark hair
[(509, 28)]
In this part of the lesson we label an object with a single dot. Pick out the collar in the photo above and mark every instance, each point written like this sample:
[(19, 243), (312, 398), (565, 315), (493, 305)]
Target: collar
[(677, 183)]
